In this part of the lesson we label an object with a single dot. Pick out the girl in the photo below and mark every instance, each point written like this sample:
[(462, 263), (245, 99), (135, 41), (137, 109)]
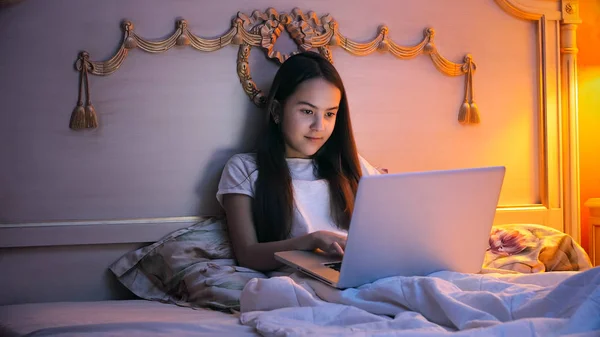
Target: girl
[(297, 191)]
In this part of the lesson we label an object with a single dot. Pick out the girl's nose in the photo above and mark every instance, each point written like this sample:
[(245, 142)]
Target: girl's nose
[(318, 123)]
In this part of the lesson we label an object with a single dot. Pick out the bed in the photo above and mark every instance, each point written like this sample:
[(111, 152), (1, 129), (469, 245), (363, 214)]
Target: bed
[(109, 223)]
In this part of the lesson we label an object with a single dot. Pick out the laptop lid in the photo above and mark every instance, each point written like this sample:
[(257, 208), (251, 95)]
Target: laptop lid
[(412, 224)]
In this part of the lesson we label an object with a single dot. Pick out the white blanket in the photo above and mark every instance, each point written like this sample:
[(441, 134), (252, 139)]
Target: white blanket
[(545, 304)]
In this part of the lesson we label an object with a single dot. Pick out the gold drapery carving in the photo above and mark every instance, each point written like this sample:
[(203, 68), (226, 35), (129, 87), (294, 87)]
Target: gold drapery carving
[(261, 29)]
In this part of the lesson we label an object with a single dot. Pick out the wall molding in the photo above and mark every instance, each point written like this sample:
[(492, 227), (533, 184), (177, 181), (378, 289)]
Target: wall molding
[(73, 233), (565, 196), (529, 10), (147, 230)]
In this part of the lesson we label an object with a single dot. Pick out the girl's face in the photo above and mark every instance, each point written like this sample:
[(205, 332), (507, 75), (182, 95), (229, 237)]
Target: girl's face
[(309, 117)]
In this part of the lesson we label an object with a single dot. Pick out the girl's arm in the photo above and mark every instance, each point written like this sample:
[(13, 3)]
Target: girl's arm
[(250, 253)]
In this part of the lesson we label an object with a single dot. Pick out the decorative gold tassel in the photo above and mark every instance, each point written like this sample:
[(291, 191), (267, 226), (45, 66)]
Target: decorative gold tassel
[(464, 113), (77, 121), (91, 119), (77, 118), (474, 111), (474, 114)]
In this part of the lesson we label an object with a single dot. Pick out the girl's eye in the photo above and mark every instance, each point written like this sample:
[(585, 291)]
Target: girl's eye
[(330, 114), (308, 112)]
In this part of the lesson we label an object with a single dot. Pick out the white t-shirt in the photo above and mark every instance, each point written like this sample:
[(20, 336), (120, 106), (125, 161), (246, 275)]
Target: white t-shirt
[(311, 195)]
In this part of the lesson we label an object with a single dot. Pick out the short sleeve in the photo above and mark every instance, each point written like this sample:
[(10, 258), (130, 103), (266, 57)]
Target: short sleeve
[(238, 177), (367, 168)]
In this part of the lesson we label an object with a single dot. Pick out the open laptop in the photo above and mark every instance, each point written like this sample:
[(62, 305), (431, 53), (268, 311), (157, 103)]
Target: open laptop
[(411, 224)]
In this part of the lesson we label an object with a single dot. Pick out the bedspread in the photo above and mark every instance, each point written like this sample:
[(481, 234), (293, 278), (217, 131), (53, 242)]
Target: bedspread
[(544, 304)]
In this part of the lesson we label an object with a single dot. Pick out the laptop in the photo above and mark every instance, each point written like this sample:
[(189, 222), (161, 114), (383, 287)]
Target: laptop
[(411, 224)]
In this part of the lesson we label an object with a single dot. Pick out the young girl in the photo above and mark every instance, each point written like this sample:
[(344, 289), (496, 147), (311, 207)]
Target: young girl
[(297, 191)]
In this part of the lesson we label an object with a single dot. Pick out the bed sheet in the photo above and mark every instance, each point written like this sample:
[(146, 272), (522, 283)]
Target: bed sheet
[(117, 318), (544, 304), (443, 303)]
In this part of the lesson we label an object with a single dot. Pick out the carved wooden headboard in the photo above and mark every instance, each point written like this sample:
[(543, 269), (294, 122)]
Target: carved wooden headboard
[(155, 120), (311, 32), (262, 29)]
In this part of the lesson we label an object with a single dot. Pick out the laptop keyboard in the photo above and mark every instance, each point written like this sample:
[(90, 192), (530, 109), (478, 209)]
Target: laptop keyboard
[(334, 265)]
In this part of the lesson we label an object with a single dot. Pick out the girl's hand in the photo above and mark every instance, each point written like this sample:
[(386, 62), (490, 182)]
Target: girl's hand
[(329, 242)]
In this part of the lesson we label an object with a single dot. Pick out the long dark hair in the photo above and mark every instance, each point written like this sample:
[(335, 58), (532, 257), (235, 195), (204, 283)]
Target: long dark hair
[(336, 161)]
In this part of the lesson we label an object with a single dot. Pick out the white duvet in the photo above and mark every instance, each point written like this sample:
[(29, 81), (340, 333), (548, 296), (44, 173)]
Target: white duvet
[(545, 304)]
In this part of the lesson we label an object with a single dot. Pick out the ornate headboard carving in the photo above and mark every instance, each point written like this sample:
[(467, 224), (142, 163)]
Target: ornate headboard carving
[(262, 29)]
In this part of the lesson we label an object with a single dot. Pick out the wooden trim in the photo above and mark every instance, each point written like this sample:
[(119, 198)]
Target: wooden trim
[(76, 233), (529, 10), (534, 214), (90, 232), (594, 248), (566, 14)]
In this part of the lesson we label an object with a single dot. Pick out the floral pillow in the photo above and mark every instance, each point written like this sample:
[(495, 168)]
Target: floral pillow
[(192, 267), (529, 248)]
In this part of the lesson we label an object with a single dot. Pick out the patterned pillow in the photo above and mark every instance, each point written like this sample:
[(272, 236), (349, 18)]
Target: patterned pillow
[(531, 248), (192, 267)]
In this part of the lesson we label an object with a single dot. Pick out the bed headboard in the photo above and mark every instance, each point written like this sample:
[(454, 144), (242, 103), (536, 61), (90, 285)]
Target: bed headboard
[(116, 126)]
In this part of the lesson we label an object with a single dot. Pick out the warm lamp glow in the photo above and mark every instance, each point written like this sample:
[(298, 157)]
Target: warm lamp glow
[(589, 129), (589, 91), (588, 36)]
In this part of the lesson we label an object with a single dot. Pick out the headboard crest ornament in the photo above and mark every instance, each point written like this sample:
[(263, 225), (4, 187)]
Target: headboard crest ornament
[(262, 29)]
